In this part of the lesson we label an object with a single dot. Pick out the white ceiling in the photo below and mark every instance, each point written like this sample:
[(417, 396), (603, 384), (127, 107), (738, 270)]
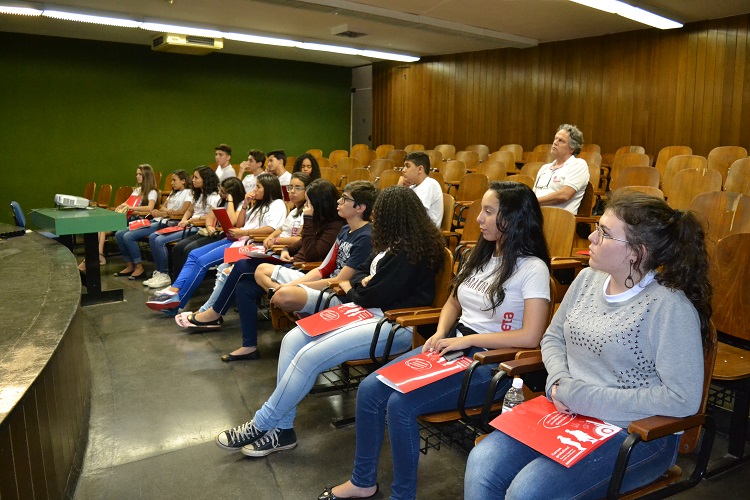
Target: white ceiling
[(415, 27)]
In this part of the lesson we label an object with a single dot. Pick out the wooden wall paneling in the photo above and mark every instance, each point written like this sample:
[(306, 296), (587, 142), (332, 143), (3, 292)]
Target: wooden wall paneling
[(36, 450), (698, 143), (21, 459), (734, 105), (716, 44), (46, 439)]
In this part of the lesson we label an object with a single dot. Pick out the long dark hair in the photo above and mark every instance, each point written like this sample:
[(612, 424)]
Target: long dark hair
[(305, 179), (519, 220), (675, 247), (315, 174), (400, 224), (233, 186), (148, 184), (323, 197), (183, 176), (271, 192), (210, 184)]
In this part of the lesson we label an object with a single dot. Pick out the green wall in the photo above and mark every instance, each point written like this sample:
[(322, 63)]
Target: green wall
[(75, 111)]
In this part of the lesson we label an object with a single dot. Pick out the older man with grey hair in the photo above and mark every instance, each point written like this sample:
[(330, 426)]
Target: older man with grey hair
[(563, 182)]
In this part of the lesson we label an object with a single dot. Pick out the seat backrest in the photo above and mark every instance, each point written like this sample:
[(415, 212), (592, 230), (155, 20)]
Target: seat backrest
[(436, 158), (668, 152), (516, 149), (330, 174), (481, 149), (730, 282), (358, 174), (523, 179), (677, 163), (532, 168), (738, 177), (447, 150), (410, 148), (629, 149), (542, 156), (448, 203), (470, 159), (104, 196), (471, 230), (364, 156), (494, 170), (543, 148), (691, 182), (507, 157), (336, 155), (167, 183), (440, 179), (595, 177), (379, 165), (453, 170), (19, 217), (347, 164), (721, 158), (591, 148), (722, 213), (627, 160), (317, 153), (587, 202), (388, 178), (559, 229), (443, 280), (690, 439), (122, 194), (289, 164), (88, 191), (396, 156), (472, 187), (323, 162), (357, 148), (383, 150), (636, 176), (591, 158), (157, 176)]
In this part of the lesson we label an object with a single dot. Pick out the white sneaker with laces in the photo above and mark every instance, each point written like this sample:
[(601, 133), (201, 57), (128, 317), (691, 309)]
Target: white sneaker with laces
[(160, 280)]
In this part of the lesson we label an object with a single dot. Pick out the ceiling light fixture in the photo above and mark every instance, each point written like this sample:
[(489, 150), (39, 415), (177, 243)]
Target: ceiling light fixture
[(21, 11), (86, 18), (631, 12)]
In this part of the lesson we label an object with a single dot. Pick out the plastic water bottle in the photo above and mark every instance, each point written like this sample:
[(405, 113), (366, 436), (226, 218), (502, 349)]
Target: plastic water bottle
[(514, 396)]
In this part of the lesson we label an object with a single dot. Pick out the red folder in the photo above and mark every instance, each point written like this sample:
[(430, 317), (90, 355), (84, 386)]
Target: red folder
[(170, 229), (223, 217), (233, 254), (139, 223), (566, 439), (420, 370), (134, 200), (333, 318)]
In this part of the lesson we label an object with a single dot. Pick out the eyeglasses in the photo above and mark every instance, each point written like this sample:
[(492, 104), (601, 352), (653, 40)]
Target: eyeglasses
[(601, 236), (344, 199), (291, 188)]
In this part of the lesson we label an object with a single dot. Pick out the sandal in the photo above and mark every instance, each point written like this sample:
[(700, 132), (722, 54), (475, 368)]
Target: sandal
[(187, 320)]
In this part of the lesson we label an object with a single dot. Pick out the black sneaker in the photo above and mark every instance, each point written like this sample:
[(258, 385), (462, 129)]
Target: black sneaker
[(273, 441), (234, 439)]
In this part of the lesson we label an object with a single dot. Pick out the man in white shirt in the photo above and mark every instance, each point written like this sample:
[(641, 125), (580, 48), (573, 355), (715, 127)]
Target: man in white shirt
[(253, 167), (563, 182), (223, 155), (416, 175), (275, 166)]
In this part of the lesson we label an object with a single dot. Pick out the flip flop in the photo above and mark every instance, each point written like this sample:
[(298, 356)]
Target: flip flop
[(181, 319), (189, 321)]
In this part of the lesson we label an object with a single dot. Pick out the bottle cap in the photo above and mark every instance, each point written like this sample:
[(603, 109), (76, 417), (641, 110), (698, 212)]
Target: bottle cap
[(518, 383)]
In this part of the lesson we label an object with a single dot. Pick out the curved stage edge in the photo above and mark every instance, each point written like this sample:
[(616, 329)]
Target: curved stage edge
[(44, 370)]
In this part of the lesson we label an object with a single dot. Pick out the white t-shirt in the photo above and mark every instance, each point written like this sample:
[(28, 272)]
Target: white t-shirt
[(176, 200), (201, 207), (225, 173), (249, 182), (431, 194), (153, 195), (529, 281), (273, 215), (292, 225), (285, 179), (574, 173)]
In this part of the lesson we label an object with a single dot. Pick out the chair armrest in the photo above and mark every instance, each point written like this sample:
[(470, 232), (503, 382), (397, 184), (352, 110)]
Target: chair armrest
[(418, 319), (658, 426), (396, 313), (566, 263), (496, 355), (521, 366), (306, 266)]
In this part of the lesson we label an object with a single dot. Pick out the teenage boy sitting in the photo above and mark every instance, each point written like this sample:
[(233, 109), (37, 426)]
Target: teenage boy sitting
[(275, 166), (416, 175), (253, 167), (223, 155)]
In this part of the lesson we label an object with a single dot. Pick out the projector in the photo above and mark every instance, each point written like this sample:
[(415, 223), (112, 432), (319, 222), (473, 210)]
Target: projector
[(68, 201)]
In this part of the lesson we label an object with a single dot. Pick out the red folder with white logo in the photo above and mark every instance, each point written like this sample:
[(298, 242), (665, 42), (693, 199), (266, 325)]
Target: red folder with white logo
[(332, 318), (420, 370), (564, 438), (233, 254)]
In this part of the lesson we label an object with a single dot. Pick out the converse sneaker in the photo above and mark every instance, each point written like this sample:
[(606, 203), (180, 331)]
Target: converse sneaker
[(159, 280), (148, 281), (273, 441), (235, 439)]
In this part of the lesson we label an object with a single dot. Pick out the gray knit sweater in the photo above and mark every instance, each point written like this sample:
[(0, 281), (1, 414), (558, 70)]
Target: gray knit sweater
[(625, 361)]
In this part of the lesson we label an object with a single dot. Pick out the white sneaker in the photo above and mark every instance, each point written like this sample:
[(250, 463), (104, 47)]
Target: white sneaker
[(160, 280), (148, 281)]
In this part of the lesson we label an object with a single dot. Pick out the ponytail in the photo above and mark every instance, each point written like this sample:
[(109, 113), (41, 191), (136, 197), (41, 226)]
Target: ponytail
[(674, 243)]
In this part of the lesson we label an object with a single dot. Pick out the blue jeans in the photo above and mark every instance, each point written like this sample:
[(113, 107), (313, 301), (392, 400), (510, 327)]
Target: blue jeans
[(127, 240), (302, 358), (374, 398), (194, 270), (501, 467), (158, 243)]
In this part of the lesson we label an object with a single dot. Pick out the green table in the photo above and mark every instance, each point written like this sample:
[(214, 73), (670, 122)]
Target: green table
[(88, 222)]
